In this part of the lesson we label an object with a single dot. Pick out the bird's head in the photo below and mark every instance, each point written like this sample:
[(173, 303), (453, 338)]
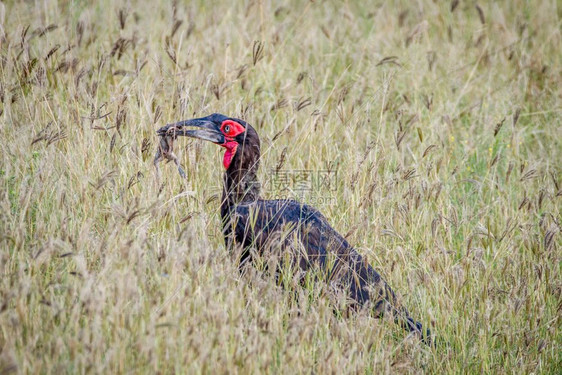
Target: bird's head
[(238, 137)]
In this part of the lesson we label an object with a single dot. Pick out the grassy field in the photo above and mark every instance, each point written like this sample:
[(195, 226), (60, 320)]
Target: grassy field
[(442, 121)]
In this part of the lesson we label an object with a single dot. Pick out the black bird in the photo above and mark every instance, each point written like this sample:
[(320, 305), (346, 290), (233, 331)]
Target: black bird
[(287, 227)]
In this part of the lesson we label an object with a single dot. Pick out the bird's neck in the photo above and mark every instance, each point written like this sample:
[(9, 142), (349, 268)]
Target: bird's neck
[(241, 185), (239, 188)]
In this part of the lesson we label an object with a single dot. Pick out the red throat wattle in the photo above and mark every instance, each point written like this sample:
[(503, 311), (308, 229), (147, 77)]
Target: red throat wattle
[(231, 147)]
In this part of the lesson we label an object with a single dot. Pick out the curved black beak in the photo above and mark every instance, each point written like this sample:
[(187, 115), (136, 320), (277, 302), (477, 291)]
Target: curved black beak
[(206, 130)]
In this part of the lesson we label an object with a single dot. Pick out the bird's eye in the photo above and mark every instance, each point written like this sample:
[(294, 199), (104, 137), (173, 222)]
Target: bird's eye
[(227, 129)]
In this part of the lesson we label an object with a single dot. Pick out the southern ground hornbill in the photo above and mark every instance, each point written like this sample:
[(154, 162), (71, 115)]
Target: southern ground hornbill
[(287, 228)]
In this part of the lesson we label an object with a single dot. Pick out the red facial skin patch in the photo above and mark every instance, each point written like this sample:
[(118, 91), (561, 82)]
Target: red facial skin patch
[(230, 129)]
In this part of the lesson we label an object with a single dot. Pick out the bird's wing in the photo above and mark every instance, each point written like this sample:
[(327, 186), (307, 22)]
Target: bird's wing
[(296, 236)]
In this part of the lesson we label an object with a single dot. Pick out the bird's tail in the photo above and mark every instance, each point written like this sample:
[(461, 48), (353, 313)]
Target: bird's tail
[(410, 325), (390, 303)]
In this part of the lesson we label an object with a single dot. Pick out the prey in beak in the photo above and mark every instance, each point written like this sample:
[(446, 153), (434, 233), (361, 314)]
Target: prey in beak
[(165, 150), (204, 129)]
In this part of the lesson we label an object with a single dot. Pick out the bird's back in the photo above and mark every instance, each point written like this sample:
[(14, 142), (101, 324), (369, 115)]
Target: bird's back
[(288, 227)]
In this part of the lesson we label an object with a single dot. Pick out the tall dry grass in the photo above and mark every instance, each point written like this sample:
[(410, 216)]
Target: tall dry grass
[(442, 120)]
